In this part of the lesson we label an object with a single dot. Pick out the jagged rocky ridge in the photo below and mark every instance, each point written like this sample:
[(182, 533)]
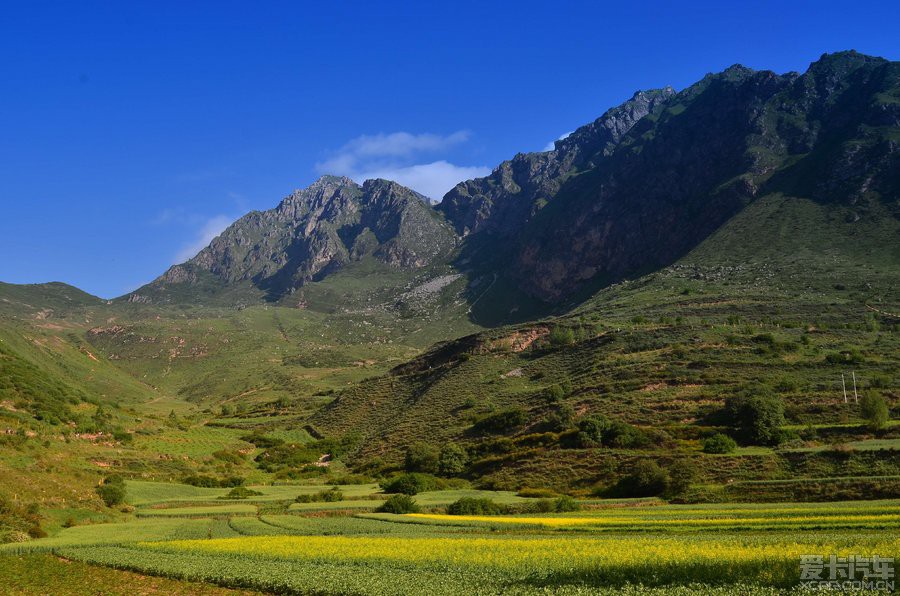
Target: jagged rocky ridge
[(631, 192), (316, 231)]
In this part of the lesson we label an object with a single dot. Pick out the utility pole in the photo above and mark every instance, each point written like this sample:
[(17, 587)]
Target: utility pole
[(844, 385), (855, 396)]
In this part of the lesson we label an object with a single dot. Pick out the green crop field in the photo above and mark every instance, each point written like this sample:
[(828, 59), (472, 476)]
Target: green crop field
[(615, 546)]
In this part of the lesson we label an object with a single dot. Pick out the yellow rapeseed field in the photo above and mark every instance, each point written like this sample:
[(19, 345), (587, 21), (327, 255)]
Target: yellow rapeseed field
[(545, 553)]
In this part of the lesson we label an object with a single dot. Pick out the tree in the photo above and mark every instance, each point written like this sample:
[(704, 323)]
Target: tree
[(591, 431), (502, 421), (475, 506), (756, 415), (682, 474), (562, 336), (410, 484), (399, 504), (421, 457), (453, 460), (719, 443), (874, 409), (112, 491), (646, 479)]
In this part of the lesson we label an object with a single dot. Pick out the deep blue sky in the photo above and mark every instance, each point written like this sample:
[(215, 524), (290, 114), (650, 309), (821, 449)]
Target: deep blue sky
[(132, 130)]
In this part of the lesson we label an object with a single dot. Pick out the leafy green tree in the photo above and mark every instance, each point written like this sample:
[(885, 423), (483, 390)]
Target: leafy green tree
[(719, 443), (682, 474), (562, 336), (565, 504), (399, 504), (756, 415), (502, 421), (646, 479), (112, 491), (453, 460), (410, 484), (874, 409), (421, 457), (474, 506), (591, 431)]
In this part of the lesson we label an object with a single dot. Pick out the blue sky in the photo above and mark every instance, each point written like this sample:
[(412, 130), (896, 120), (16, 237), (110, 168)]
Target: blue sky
[(134, 131)]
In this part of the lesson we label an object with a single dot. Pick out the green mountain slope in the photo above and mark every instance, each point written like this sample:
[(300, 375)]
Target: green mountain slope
[(788, 295)]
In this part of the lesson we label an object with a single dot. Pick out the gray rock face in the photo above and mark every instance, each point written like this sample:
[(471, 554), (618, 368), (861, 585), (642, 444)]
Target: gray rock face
[(318, 230), (517, 189), (638, 188)]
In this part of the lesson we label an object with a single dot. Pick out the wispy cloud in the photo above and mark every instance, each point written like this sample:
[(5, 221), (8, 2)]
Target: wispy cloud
[(398, 156), (552, 144), (211, 228)]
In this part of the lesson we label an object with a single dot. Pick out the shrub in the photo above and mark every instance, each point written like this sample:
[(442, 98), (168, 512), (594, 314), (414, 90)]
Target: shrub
[(233, 457), (475, 506), (591, 430), (682, 474), (556, 393), (565, 504), (241, 492), (112, 491), (410, 484), (561, 418), (596, 431), (537, 493), (873, 408), (452, 460), (421, 457), (561, 336), (332, 495), (622, 435), (719, 443), (205, 481), (123, 436), (501, 421), (543, 506), (756, 415), (399, 504), (850, 356), (646, 479), (262, 441)]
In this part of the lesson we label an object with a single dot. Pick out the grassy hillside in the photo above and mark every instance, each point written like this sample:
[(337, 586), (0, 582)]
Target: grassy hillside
[(88, 388), (785, 297)]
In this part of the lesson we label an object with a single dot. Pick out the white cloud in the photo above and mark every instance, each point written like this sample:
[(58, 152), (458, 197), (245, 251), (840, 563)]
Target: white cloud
[(552, 144), (396, 156), (433, 179), (205, 234)]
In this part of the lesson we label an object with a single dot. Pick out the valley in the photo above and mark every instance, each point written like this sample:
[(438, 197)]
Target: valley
[(677, 331)]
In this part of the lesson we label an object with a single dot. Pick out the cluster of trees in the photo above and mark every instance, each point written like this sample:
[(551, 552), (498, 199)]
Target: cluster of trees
[(206, 481), (648, 479), (449, 460), (330, 495), (600, 431)]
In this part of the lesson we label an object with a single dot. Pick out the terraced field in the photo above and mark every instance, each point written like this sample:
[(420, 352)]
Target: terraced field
[(188, 534)]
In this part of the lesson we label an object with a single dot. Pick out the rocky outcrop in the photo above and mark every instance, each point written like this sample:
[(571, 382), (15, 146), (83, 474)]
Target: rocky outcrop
[(645, 183), (517, 189), (316, 231)]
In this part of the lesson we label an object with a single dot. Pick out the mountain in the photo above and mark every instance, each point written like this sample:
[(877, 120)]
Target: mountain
[(312, 233), (648, 181), (685, 247), (629, 193)]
